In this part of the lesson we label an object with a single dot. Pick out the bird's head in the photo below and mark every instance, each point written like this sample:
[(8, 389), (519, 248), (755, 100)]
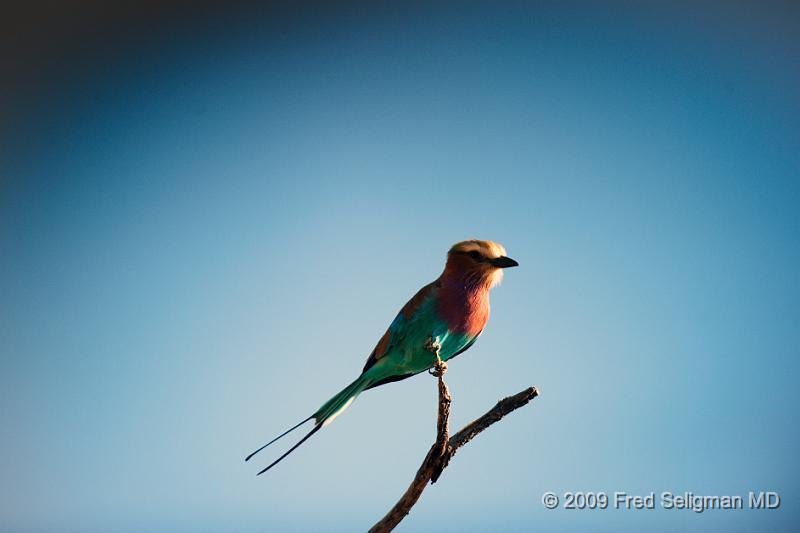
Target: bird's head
[(480, 262)]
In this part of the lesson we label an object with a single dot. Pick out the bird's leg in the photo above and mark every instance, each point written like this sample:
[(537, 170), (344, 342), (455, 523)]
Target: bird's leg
[(439, 367)]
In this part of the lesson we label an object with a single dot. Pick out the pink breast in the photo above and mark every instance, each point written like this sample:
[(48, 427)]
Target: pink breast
[(465, 311)]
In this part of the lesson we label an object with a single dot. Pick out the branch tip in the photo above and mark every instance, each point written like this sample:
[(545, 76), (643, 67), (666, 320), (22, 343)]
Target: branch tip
[(439, 455)]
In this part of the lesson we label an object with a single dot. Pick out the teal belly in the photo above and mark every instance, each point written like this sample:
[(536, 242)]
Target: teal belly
[(409, 347), (417, 358)]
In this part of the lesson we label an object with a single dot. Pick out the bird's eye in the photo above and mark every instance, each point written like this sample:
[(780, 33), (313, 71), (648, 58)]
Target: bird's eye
[(475, 255)]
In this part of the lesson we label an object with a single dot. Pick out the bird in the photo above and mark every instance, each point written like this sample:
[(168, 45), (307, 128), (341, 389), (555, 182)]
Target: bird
[(442, 320)]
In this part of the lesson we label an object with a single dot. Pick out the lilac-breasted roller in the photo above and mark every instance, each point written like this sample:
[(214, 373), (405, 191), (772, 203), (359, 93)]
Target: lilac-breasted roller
[(443, 319)]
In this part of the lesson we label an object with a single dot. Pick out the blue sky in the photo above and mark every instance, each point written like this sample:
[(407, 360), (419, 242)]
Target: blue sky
[(206, 227)]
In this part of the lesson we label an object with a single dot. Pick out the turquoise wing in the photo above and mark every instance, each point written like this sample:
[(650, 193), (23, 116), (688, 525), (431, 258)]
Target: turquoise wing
[(405, 321)]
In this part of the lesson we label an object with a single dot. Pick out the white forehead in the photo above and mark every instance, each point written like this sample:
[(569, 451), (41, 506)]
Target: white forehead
[(487, 248)]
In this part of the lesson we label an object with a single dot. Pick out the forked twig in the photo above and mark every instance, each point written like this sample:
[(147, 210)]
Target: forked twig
[(438, 457)]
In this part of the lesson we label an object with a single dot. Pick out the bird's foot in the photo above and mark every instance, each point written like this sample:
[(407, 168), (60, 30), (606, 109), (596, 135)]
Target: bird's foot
[(439, 368)]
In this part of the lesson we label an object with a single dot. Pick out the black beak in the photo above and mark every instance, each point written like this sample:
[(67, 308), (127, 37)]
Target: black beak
[(503, 262)]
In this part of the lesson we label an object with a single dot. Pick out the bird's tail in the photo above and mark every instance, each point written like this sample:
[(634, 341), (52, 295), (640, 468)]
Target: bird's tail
[(334, 407), (324, 416)]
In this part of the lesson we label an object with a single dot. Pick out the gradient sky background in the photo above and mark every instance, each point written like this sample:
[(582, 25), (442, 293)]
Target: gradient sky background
[(209, 215)]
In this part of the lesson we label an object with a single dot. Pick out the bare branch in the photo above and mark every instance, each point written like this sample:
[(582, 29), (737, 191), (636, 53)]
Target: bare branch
[(445, 447)]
